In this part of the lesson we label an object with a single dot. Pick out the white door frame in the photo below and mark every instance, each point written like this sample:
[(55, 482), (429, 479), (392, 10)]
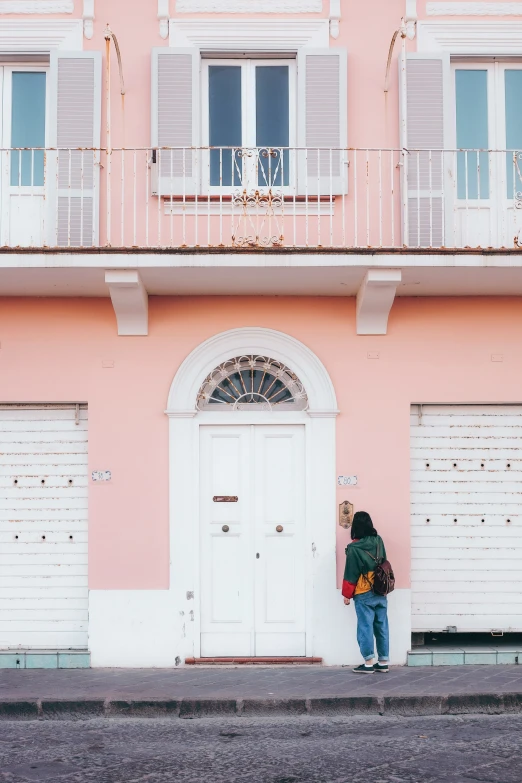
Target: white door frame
[(184, 424)]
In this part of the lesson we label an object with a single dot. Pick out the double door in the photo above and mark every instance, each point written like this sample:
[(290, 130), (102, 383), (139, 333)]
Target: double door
[(252, 557)]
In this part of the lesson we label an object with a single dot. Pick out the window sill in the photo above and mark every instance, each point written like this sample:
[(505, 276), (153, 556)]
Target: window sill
[(216, 205)]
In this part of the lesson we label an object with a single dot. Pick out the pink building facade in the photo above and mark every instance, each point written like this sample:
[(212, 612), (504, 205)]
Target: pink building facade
[(257, 259)]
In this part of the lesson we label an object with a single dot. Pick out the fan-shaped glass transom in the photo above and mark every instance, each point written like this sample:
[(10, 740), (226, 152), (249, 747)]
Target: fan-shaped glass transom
[(252, 381)]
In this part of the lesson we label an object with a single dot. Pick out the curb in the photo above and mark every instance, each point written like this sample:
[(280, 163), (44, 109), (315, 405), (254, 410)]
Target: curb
[(189, 709)]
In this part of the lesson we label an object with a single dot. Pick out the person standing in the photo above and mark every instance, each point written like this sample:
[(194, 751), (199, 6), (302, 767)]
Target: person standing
[(362, 556)]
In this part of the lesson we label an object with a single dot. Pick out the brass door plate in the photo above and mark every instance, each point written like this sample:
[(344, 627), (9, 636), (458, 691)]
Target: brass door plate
[(225, 498), (345, 514)]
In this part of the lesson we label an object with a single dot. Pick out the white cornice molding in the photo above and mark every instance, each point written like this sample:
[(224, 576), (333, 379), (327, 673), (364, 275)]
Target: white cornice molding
[(375, 299), (88, 18), (40, 35), (249, 6), (473, 9), (163, 16), (239, 34), (410, 19), (36, 6), (470, 37)]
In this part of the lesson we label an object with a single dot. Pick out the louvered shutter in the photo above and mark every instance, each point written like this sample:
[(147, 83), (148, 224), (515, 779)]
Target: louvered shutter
[(424, 95), (75, 134), (175, 121), (322, 102)]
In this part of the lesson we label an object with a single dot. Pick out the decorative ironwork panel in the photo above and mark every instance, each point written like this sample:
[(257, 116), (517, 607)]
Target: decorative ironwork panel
[(252, 381)]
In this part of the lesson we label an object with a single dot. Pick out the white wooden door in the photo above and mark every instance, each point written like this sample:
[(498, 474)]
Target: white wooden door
[(466, 481), (252, 549), (43, 527)]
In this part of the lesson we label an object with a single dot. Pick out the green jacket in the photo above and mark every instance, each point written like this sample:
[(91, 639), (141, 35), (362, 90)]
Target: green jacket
[(360, 567)]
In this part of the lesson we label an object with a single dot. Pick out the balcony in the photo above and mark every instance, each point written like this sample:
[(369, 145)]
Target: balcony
[(278, 198)]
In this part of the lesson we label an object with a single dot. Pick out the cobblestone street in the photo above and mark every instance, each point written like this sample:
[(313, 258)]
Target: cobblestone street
[(296, 750)]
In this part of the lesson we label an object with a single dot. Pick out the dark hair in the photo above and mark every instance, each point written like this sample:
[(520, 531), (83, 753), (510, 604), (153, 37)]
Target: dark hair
[(362, 525)]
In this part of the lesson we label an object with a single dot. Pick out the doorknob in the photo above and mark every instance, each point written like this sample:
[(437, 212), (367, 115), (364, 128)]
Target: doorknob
[(225, 528), (279, 528)]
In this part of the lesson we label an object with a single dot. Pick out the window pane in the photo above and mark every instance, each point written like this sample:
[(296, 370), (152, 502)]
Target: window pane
[(273, 123), (471, 89), (28, 127), (513, 88), (224, 90)]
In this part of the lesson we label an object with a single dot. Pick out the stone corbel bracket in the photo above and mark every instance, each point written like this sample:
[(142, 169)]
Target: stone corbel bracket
[(163, 16), (88, 18), (335, 17), (410, 19), (375, 299), (130, 301)]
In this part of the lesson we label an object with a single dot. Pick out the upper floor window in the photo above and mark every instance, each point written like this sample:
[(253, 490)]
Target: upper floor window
[(248, 118), (24, 126), (488, 111)]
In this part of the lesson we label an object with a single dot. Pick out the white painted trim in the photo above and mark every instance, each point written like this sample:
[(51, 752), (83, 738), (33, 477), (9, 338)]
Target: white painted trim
[(184, 431), (473, 9), (335, 18), (40, 35), (375, 299), (36, 6), (130, 301), (88, 18), (249, 7), (163, 16), (216, 208), (265, 342), (266, 35), (477, 37), (410, 19)]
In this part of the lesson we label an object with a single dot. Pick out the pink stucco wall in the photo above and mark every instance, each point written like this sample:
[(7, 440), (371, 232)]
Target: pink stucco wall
[(436, 350)]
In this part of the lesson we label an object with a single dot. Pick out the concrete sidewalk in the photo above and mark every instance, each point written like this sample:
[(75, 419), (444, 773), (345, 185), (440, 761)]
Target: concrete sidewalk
[(255, 691)]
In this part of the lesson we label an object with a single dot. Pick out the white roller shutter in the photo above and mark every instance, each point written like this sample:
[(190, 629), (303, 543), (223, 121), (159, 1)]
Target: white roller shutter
[(43, 527), (466, 485)]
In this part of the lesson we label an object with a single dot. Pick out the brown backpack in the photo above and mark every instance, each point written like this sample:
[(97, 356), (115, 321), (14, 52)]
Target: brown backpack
[(383, 576)]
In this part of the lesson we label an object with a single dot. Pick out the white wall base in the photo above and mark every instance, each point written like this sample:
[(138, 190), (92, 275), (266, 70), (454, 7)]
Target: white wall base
[(145, 628), (133, 628)]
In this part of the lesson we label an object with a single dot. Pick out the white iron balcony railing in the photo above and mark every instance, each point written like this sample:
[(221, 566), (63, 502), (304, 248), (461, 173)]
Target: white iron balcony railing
[(260, 198)]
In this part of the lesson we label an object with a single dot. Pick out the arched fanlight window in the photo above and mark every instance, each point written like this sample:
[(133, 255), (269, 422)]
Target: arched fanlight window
[(252, 381)]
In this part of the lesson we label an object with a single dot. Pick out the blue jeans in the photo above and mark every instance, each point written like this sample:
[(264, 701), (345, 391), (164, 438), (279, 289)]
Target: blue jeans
[(372, 620)]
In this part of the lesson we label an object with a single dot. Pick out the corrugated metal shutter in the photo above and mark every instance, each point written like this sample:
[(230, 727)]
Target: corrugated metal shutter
[(422, 125), (43, 527), (322, 120), (76, 84), (466, 485), (175, 120)]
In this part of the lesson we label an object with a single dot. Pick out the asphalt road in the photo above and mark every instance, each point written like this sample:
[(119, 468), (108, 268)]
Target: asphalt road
[(297, 750)]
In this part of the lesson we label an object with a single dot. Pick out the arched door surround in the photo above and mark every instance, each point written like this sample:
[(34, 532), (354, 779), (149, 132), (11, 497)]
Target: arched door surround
[(270, 379)]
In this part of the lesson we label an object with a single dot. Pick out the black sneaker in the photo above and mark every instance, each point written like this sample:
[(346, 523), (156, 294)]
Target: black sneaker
[(363, 669), (381, 667)]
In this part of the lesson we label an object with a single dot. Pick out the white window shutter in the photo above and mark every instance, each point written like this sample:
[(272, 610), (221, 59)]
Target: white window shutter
[(424, 81), (322, 107), (75, 128), (175, 121)]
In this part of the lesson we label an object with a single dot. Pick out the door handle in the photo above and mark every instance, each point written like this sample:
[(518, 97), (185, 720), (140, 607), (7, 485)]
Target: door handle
[(225, 528), (279, 528), (225, 498)]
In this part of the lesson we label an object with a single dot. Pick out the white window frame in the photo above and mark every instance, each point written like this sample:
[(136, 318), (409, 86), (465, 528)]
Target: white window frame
[(248, 117), (6, 78), (496, 97), (7, 189)]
